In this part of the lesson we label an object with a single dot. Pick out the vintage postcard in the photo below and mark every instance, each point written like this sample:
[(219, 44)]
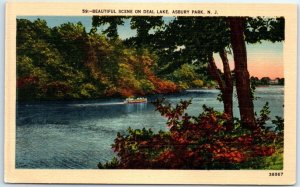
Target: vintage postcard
[(150, 93)]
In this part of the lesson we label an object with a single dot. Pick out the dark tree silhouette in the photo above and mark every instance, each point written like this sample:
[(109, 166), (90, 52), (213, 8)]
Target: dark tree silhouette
[(195, 39), (243, 89)]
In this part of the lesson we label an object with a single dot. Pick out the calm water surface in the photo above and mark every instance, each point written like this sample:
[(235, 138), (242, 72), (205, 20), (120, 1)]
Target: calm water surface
[(79, 134)]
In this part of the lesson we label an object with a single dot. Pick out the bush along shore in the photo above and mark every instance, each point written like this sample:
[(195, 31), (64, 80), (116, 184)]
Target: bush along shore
[(200, 142)]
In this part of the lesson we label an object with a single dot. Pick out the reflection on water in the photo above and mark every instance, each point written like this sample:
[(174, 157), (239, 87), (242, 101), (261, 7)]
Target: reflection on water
[(96, 104), (79, 134), (138, 107)]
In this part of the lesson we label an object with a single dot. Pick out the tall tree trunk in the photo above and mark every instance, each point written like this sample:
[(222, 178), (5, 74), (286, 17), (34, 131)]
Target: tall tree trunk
[(228, 88), (237, 25), (214, 71)]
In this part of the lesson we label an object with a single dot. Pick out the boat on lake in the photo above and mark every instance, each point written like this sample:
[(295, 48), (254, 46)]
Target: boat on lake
[(136, 100)]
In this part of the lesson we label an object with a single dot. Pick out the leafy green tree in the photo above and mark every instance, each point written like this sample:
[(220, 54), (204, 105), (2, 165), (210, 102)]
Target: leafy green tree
[(35, 58), (46, 60), (187, 77), (70, 40), (112, 30), (265, 80)]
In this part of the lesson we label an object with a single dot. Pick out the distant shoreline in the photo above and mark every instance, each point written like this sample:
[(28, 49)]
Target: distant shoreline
[(123, 97)]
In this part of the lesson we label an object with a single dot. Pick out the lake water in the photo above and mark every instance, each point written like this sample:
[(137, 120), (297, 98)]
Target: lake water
[(79, 134)]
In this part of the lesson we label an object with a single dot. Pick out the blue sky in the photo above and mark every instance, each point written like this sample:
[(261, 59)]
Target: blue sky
[(264, 59)]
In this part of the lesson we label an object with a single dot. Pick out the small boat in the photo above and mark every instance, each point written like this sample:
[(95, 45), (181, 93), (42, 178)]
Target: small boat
[(136, 100)]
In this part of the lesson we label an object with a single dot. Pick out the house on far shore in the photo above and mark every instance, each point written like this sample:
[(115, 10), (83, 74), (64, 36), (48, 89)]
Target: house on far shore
[(274, 82), (264, 81)]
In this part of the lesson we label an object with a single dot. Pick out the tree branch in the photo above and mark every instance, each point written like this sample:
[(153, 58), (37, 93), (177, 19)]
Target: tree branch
[(214, 71)]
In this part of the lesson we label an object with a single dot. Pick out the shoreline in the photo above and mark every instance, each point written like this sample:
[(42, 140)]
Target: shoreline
[(123, 97)]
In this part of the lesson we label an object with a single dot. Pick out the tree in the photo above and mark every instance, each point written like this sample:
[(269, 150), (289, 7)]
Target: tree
[(255, 81), (195, 39), (227, 91), (265, 80), (252, 30), (280, 81), (241, 72), (187, 77)]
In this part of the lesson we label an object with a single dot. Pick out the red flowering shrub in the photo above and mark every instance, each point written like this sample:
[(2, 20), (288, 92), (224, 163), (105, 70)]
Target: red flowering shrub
[(193, 142)]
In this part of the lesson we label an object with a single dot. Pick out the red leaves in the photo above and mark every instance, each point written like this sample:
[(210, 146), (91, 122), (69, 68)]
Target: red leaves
[(233, 156), (166, 156), (163, 86), (264, 150), (127, 92), (192, 142), (245, 140), (26, 81)]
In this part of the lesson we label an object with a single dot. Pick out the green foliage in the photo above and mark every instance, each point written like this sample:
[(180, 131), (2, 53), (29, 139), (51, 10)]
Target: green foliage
[(263, 116), (274, 162), (113, 21), (183, 85), (253, 85), (264, 28), (219, 97), (265, 81), (198, 83), (65, 62), (185, 73), (88, 90), (147, 86), (188, 40), (113, 164), (279, 124), (187, 77), (211, 84)]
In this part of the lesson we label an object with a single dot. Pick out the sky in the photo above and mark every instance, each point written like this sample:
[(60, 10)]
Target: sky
[(265, 59)]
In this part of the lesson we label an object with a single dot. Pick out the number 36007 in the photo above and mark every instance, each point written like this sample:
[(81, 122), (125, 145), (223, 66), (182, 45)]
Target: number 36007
[(276, 174)]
